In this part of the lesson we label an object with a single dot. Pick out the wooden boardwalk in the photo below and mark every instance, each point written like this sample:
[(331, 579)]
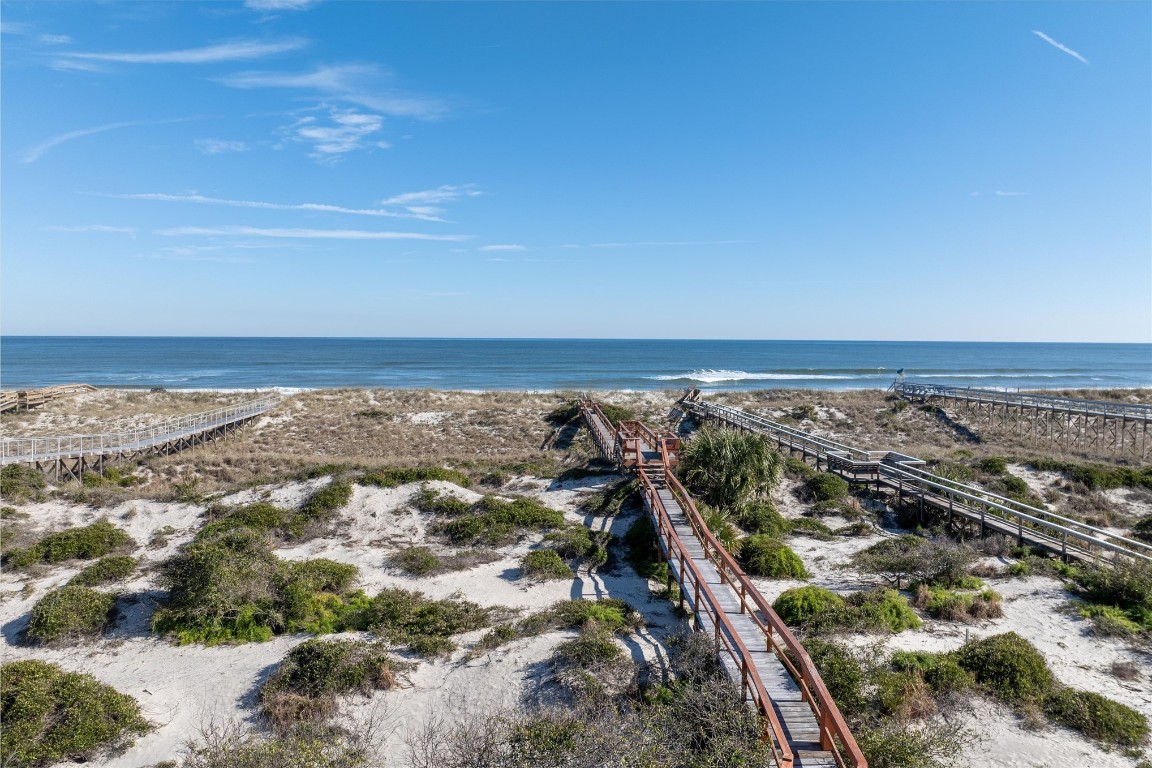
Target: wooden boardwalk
[(71, 456), (801, 722), (25, 399), (961, 504), (1089, 425)]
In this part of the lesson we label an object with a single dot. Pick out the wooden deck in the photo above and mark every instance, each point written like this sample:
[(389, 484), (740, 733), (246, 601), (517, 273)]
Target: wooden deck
[(801, 722), (905, 478)]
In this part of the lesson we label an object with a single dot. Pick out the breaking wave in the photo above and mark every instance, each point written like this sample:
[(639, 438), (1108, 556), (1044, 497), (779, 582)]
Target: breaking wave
[(709, 376)]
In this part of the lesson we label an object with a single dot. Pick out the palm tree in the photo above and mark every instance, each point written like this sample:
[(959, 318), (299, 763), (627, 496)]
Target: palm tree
[(727, 468)]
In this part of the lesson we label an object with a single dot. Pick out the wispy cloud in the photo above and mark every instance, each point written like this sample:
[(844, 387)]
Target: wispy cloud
[(239, 50), (279, 5), (361, 84), (220, 146), (196, 253), (308, 234), (649, 243), (267, 206), (33, 154), (1001, 193), (428, 202), (95, 228), (341, 132), (55, 39), (1059, 46), (508, 247), (68, 65)]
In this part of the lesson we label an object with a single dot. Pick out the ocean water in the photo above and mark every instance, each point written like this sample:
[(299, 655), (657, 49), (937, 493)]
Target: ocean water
[(559, 364)]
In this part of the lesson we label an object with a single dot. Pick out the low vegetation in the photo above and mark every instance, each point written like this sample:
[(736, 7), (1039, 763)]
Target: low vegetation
[(726, 468), (86, 543), (392, 477), (491, 520), (818, 610), (107, 569), (825, 486), (612, 499), (51, 715), (951, 605), (545, 565), (1097, 477), (609, 614), (19, 482), (308, 683), (422, 561), (762, 555), (68, 614), (911, 558), (1119, 597)]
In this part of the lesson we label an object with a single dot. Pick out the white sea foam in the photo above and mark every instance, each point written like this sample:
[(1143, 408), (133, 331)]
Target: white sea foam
[(709, 376)]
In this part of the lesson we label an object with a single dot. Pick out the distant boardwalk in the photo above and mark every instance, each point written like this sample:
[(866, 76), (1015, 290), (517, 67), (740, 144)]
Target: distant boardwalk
[(1099, 425), (15, 400), (71, 456), (966, 506)]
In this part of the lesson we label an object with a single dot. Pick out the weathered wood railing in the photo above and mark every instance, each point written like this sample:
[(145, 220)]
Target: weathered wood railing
[(39, 449)]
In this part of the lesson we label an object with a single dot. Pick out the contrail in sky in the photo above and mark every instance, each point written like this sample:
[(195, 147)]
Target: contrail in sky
[(1060, 46)]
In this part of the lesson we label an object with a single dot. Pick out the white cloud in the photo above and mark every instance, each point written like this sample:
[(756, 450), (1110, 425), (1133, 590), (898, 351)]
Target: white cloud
[(441, 194), (67, 65), (508, 247), (345, 131), (279, 5), (320, 234), (317, 207), (55, 39), (96, 228), (234, 51), (647, 243), (1059, 46), (357, 83), (35, 153), (220, 146), (1000, 193)]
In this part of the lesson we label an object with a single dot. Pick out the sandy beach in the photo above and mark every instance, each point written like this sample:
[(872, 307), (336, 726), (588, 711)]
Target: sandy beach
[(505, 441)]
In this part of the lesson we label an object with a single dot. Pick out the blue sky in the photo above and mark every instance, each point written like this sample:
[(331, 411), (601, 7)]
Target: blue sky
[(902, 171)]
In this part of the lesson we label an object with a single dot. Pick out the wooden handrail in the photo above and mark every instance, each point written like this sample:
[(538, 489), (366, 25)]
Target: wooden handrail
[(729, 637), (832, 724)]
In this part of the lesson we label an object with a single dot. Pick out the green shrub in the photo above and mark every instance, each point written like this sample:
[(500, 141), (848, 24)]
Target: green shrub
[(949, 605), (720, 524), (1110, 621), (1143, 529), (941, 671), (19, 482), (1097, 717), (762, 555), (314, 673), (1014, 487), (494, 521), (579, 543), (798, 468), (436, 503), (1019, 568), (810, 526), (643, 551), (1008, 666), (800, 605), (233, 588), (409, 618), (825, 486), (545, 565), (590, 649), (1097, 477), (762, 517), (617, 413), (1124, 585), (884, 609), (564, 414), (69, 613), (260, 517), (323, 504), (993, 465), (726, 468), (104, 570), (910, 557), (392, 477), (51, 715), (416, 561), (892, 744), (86, 543), (608, 614), (840, 671)]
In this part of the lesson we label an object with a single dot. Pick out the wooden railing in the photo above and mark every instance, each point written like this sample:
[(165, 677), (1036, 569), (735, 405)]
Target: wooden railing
[(834, 733), (921, 390), (33, 449), (900, 472)]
